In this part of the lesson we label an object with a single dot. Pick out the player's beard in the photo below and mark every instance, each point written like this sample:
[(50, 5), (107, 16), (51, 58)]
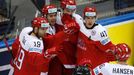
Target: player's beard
[(39, 35)]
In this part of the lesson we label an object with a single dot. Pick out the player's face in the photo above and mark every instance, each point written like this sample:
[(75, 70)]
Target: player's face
[(42, 32), (68, 11), (90, 21), (52, 18)]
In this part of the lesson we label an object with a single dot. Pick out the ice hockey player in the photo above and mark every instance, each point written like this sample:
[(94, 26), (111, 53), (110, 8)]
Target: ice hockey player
[(94, 46), (31, 56), (65, 17), (50, 12)]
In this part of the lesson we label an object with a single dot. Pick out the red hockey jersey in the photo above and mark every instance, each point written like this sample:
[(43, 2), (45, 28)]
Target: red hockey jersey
[(92, 46), (30, 58)]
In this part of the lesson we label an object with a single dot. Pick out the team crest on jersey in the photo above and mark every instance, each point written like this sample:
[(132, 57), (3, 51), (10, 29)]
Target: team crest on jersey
[(93, 32), (96, 71), (81, 44)]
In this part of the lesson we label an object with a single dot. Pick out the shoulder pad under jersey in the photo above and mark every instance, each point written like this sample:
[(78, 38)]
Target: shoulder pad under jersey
[(99, 33), (24, 37)]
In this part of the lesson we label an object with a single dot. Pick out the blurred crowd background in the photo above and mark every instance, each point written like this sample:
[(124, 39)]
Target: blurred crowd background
[(17, 14)]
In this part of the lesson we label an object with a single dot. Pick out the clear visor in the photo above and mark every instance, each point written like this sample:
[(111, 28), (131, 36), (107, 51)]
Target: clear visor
[(53, 10), (71, 7), (45, 25), (90, 14)]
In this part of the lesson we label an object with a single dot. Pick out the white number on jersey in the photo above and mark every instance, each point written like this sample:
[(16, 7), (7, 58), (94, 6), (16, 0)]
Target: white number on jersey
[(20, 59)]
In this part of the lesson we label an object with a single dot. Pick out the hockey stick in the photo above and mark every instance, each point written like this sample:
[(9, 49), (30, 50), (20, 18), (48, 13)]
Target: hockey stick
[(37, 5), (12, 18)]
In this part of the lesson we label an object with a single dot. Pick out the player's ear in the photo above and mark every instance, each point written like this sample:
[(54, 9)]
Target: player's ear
[(35, 29)]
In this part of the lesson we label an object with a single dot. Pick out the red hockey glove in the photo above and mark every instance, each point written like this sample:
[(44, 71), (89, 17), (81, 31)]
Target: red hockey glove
[(71, 27), (66, 18), (68, 21), (52, 52)]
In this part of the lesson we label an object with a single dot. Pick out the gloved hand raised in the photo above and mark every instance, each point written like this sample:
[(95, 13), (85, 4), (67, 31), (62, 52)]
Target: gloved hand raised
[(52, 52)]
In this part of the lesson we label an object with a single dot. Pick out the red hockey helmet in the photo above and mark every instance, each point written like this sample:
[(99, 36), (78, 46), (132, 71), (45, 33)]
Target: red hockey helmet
[(69, 4), (123, 51), (40, 22), (49, 9), (89, 11)]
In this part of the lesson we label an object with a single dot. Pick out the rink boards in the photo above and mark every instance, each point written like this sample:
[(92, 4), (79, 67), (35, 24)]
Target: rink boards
[(123, 33)]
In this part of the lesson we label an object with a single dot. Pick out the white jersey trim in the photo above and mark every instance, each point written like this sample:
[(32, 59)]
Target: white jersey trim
[(44, 73), (69, 66)]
